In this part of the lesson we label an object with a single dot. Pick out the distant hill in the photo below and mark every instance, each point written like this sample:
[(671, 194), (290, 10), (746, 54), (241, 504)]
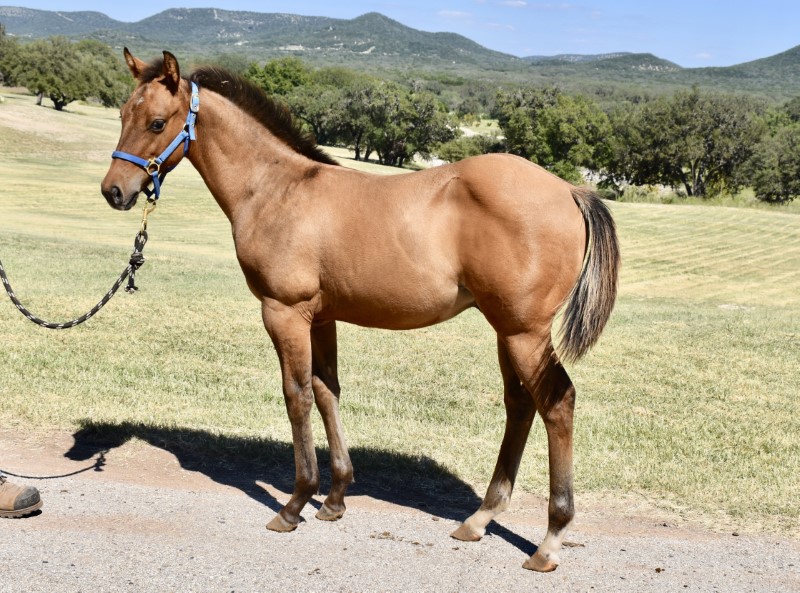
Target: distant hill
[(371, 38), (573, 58), (784, 66), (26, 22), (373, 42)]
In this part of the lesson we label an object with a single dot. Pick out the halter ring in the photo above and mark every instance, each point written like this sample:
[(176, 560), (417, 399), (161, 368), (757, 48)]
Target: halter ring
[(153, 167)]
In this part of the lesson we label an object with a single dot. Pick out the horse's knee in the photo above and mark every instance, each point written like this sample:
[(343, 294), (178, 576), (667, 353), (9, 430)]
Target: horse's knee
[(299, 397)]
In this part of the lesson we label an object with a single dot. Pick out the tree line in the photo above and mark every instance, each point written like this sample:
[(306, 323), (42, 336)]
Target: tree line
[(697, 142), (369, 115)]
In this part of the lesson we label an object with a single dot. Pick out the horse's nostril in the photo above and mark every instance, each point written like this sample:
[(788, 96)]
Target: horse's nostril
[(112, 194)]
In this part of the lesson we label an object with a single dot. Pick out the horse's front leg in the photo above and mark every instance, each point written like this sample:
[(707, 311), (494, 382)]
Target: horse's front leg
[(291, 335)]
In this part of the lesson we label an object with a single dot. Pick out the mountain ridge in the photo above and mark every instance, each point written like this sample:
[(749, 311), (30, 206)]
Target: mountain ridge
[(375, 42)]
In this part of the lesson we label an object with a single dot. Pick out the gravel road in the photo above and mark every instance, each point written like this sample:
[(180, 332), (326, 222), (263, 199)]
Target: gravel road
[(140, 521)]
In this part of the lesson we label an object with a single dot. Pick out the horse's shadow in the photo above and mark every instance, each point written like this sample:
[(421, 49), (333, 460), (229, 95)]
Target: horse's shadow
[(411, 481)]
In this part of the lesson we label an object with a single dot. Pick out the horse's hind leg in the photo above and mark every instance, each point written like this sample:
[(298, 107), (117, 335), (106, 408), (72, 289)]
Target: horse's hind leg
[(520, 411), (533, 380), (554, 396), (325, 382)]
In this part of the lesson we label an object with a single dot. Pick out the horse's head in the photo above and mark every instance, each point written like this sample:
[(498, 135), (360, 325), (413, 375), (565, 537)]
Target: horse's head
[(154, 115)]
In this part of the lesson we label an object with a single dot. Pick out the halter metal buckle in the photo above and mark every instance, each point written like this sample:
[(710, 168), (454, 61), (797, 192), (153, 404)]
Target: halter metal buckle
[(153, 166)]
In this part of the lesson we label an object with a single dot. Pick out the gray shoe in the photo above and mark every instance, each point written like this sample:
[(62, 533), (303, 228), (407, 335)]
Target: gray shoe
[(17, 501)]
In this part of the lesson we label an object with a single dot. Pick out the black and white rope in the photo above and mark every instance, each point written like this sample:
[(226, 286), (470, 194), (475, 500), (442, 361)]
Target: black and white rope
[(136, 261)]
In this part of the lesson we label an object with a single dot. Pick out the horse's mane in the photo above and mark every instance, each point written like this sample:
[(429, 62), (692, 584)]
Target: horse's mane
[(272, 114)]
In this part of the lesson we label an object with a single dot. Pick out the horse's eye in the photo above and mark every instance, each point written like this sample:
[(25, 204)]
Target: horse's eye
[(158, 125)]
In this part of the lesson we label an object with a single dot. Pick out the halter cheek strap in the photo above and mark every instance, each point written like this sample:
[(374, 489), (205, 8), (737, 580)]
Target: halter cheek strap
[(153, 165)]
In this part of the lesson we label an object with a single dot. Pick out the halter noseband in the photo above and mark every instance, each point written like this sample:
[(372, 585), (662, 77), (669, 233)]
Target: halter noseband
[(153, 165)]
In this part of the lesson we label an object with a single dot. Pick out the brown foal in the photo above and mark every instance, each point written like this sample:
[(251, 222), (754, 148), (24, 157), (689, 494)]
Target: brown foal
[(319, 243)]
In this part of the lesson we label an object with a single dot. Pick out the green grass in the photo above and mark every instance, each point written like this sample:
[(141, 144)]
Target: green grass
[(484, 126), (745, 198), (690, 400)]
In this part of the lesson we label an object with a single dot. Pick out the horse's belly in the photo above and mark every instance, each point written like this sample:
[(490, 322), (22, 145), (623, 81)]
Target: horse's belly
[(402, 309)]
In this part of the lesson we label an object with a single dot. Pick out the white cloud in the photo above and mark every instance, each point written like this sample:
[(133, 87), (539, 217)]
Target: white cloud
[(515, 3), (704, 56)]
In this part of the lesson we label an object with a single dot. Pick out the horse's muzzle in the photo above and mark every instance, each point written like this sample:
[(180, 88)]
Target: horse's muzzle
[(117, 199)]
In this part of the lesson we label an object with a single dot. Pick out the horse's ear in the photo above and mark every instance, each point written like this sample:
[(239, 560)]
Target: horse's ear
[(172, 72), (135, 65)]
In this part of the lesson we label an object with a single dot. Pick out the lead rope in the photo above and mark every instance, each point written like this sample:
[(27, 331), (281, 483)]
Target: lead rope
[(153, 168), (135, 262)]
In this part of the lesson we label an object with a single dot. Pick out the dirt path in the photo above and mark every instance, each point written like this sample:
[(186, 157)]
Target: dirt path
[(140, 521)]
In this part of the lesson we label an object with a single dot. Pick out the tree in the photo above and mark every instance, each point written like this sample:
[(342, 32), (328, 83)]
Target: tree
[(467, 146), (108, 79), (320, 106), (9, 56), (385, 110), (280, 76), (427, 124), (357, 104), (792, 109), (400, 123), (52, 67), (476, 100), (774, 168), (324, 103), (66, 72), (693, 140), (560, 132), (345, 107), (519, 114), (232, 62), (576, 135)]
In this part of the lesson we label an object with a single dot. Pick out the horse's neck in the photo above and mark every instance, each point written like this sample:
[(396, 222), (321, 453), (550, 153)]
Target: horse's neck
[(238, 158)]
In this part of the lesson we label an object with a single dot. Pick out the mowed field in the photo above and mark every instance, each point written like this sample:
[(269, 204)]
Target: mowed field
[(690, 401)]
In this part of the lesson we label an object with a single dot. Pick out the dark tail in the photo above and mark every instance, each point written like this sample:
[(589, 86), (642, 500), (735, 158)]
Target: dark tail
[(592, 298)]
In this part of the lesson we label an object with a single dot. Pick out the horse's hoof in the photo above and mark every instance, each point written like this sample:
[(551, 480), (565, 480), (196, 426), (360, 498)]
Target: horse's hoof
[(280, 524), (539, 563), (325, 513), (466, 534)]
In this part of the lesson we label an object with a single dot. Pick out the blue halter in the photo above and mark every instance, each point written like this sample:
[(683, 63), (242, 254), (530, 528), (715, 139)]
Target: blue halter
[(153, 166)]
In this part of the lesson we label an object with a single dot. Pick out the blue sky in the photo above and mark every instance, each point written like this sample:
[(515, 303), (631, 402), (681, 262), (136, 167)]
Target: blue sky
[(692, 33)]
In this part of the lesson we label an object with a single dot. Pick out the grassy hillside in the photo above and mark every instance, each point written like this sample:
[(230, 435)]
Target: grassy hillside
[(689, 401)]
